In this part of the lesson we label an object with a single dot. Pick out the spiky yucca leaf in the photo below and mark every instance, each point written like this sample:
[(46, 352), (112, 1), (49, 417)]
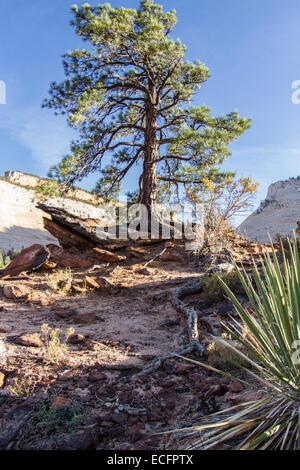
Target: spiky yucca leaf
[(271, 349)]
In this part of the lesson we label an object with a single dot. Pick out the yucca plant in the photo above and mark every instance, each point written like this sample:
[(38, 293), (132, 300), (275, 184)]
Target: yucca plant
[(271, 350)]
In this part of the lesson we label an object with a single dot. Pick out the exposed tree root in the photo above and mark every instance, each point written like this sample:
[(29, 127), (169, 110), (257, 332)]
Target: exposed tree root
[(190, 287)]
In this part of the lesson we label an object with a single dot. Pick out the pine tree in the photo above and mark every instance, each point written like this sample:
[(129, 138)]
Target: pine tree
[(129, 95)]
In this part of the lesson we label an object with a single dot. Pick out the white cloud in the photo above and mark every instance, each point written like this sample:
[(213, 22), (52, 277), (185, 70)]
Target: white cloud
[(40, 131)]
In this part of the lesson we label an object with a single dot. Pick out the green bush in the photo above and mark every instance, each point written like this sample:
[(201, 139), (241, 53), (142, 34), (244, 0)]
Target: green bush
[(48, 188), (213, 291)]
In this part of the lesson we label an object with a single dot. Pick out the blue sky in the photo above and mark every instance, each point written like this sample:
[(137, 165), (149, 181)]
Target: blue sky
[(250, 46)]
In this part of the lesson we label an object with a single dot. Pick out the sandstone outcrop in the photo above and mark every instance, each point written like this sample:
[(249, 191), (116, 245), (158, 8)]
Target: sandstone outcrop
[(277, 214), (22, 224)]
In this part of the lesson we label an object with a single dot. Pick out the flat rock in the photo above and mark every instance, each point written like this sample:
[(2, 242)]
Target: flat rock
[(107, 256), (30, 340), (15, 292), (48, 265), (91, 282), (69, 260)]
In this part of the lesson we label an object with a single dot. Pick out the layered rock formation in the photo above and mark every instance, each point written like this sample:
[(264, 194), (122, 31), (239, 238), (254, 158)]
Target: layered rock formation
[(277, 214), (21, 222), (23, 179)]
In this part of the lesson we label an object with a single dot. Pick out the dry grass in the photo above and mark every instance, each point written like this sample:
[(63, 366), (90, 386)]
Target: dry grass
[(57, 280)]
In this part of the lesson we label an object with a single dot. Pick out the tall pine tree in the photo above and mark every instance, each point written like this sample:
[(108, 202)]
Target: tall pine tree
[(129, 95)]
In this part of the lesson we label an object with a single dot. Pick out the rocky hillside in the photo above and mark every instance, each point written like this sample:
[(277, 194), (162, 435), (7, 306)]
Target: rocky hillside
[(21, 223), (277, 214)]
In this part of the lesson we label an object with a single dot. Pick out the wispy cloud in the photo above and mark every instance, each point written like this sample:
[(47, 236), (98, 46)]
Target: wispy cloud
[(45, 135)]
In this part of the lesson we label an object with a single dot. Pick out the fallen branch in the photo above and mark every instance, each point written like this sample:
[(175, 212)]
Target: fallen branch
[(155, 257)]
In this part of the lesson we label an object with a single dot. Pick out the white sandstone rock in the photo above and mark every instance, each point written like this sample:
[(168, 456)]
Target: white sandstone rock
[(277, 214)]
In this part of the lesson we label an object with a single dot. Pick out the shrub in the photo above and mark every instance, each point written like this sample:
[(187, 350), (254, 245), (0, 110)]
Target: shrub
[(48, 188), (273, 360), (212, 288), (54, 349), (64, 419)]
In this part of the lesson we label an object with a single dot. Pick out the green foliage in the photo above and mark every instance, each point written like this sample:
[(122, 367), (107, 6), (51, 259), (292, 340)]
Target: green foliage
[(61, 171), (63, 419), (212, 288), (48, 188), (273, 361), (129, 94)]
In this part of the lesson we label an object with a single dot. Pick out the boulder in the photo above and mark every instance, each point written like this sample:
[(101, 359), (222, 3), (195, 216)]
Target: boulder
[(28, 260), (71, 229), (66, 259)]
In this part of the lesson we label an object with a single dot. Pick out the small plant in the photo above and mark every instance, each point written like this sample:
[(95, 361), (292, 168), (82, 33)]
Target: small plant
[(54, 349), (65, 418), (22, 387), (272, 346), (58, 279), (212, 289), (4, 260)]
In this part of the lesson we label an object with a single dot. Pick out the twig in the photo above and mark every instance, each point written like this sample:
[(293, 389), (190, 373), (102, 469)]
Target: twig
[(155, 257)]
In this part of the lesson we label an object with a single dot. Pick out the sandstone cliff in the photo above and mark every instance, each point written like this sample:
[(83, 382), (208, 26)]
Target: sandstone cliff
[(21, 223), (277, 214)]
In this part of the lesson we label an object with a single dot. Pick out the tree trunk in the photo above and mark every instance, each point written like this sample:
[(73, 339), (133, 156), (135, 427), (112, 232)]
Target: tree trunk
[(147, 195)]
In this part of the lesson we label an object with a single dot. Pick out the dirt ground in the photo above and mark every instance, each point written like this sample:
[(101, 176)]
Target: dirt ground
[(94, 397)]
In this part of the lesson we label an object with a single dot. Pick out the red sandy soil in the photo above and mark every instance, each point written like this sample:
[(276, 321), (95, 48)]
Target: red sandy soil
[(105, 406)]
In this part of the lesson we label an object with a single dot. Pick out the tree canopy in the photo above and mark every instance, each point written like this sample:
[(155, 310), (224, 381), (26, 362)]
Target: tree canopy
[(129, 93)]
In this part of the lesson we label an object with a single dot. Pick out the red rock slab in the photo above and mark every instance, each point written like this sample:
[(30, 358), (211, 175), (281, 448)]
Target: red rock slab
[(28, 260)]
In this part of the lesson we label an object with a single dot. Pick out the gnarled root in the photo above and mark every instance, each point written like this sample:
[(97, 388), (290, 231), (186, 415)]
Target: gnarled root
[(193, 286)]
